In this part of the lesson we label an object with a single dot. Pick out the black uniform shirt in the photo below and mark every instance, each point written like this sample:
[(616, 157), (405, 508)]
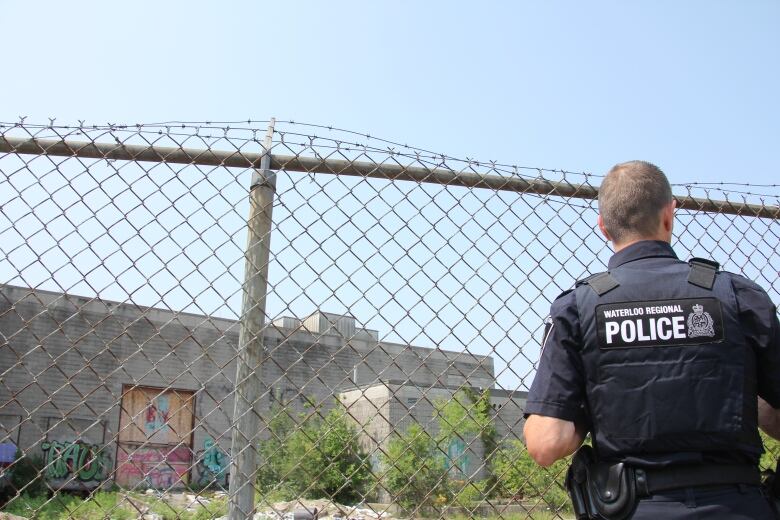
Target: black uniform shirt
[(558, 390)]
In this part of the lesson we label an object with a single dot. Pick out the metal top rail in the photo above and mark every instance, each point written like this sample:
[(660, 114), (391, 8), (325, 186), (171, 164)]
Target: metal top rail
[(394, 171)]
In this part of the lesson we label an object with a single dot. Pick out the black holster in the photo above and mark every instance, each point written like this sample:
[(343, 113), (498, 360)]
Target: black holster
[(771, 485), (599, 490)]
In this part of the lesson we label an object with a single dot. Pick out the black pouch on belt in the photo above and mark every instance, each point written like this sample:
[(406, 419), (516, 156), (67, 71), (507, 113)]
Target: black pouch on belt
[(771, 485), (600, 490)]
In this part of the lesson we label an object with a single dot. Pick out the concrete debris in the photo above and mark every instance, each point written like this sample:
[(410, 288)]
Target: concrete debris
[(9, 516), (325, 510)]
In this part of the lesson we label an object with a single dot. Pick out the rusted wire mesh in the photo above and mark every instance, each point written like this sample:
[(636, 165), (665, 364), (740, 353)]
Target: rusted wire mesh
[(404, 302)]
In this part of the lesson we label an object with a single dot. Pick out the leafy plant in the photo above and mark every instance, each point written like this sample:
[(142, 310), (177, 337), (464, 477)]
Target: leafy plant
[(771, 452), (314, 457), (470, 493), (467, 415), (414, 472), (273, 450), (518, 476), (325, 460), (26, 475)]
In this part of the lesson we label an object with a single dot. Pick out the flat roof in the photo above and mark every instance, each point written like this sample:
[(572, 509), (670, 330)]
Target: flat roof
[(494, 392)]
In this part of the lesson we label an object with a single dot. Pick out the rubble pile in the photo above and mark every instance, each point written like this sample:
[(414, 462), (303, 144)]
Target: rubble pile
[(293, 510), (176, 501), (317, 510)]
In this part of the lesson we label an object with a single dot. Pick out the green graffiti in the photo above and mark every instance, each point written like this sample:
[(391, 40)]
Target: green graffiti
[(86, 461), (458, 458), (212, 463)]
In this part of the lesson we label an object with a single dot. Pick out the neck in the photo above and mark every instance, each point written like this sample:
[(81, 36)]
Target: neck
[(617, 246)]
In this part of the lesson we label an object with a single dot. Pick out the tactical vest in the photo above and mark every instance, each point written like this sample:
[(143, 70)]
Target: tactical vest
[(667, 368)]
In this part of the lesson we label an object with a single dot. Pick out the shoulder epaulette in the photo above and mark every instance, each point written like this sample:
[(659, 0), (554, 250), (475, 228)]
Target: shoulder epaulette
[(601, 283), (702, 272)]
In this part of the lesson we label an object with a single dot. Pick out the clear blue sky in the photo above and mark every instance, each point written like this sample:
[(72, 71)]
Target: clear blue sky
[(692, 86), (574, 85)]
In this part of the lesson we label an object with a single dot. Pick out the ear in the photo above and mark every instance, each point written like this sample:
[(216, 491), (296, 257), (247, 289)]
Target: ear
[(603, 229), (668, 216)]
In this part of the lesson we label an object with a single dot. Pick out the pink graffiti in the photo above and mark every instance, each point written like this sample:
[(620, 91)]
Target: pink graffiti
[(153, 467)]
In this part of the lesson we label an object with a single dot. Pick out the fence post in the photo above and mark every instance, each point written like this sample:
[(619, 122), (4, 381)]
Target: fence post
[(251, 351)]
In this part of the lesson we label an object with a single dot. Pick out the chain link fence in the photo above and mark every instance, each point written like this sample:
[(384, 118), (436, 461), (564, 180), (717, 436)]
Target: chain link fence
[(203, 320)]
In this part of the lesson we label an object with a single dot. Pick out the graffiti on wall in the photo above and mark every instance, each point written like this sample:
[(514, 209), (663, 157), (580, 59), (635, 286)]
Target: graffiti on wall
[(159, 468), (67, 459), (157, 415), (7, 453), (7, 457), (458, 458), (212, 464)]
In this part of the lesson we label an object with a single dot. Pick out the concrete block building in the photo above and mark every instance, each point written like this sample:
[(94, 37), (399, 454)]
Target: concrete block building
[(110, 392), (385, 409)]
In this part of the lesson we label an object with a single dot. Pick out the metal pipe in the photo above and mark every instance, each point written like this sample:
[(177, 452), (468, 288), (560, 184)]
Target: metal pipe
[(444, 176), (244, 461), (497, 182)]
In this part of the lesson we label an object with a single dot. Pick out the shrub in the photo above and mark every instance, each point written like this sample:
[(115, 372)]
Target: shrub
[(27, 506), (26, 475), (316, 458), (273, 450), (470, 493), (324, 460), (518, 476), (414, 472), (465, 417)]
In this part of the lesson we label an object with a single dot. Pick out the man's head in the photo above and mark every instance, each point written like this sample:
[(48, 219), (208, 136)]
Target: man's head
[(635, 203)]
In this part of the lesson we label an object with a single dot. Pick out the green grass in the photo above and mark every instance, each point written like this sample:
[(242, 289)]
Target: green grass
[(104, 505), (64, 507), (111, 505)]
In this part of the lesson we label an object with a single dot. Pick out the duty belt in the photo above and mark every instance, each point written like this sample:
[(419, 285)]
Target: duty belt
[(654, 480), (612, 490)]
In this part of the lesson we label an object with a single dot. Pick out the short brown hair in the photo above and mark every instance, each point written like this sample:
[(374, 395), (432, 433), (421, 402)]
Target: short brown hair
[(631, 198)]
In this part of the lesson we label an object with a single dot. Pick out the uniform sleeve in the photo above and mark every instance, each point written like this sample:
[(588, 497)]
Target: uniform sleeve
[(758, 317), (558, 390)]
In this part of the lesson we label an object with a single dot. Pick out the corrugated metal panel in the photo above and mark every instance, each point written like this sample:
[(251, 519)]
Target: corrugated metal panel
[(312, 323)]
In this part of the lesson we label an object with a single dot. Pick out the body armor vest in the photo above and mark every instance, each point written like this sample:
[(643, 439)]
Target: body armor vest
[(668, 371)]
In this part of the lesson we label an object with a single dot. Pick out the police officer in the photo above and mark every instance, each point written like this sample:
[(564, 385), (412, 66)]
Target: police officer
[(671, 366)]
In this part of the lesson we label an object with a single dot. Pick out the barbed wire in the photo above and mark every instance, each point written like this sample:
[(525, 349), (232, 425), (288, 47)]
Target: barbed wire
[(311, 141)]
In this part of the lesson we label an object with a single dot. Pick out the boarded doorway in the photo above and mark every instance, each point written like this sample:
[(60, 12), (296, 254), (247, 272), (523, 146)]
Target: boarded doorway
[(155, 438)]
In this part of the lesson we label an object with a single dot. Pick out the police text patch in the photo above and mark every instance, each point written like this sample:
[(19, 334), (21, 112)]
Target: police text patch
[(660, 323)]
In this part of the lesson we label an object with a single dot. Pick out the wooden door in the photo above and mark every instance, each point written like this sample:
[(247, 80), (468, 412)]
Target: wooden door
[(155, 438)]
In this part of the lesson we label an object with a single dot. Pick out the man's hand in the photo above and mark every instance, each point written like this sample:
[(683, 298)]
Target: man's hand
[(768, 419), (549, 439)]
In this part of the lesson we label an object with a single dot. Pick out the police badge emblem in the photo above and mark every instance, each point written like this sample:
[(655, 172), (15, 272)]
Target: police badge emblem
[(700, 323)]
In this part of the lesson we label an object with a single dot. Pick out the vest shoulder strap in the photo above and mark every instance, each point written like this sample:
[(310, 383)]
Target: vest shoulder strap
[(702, 273), (601, 283)]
